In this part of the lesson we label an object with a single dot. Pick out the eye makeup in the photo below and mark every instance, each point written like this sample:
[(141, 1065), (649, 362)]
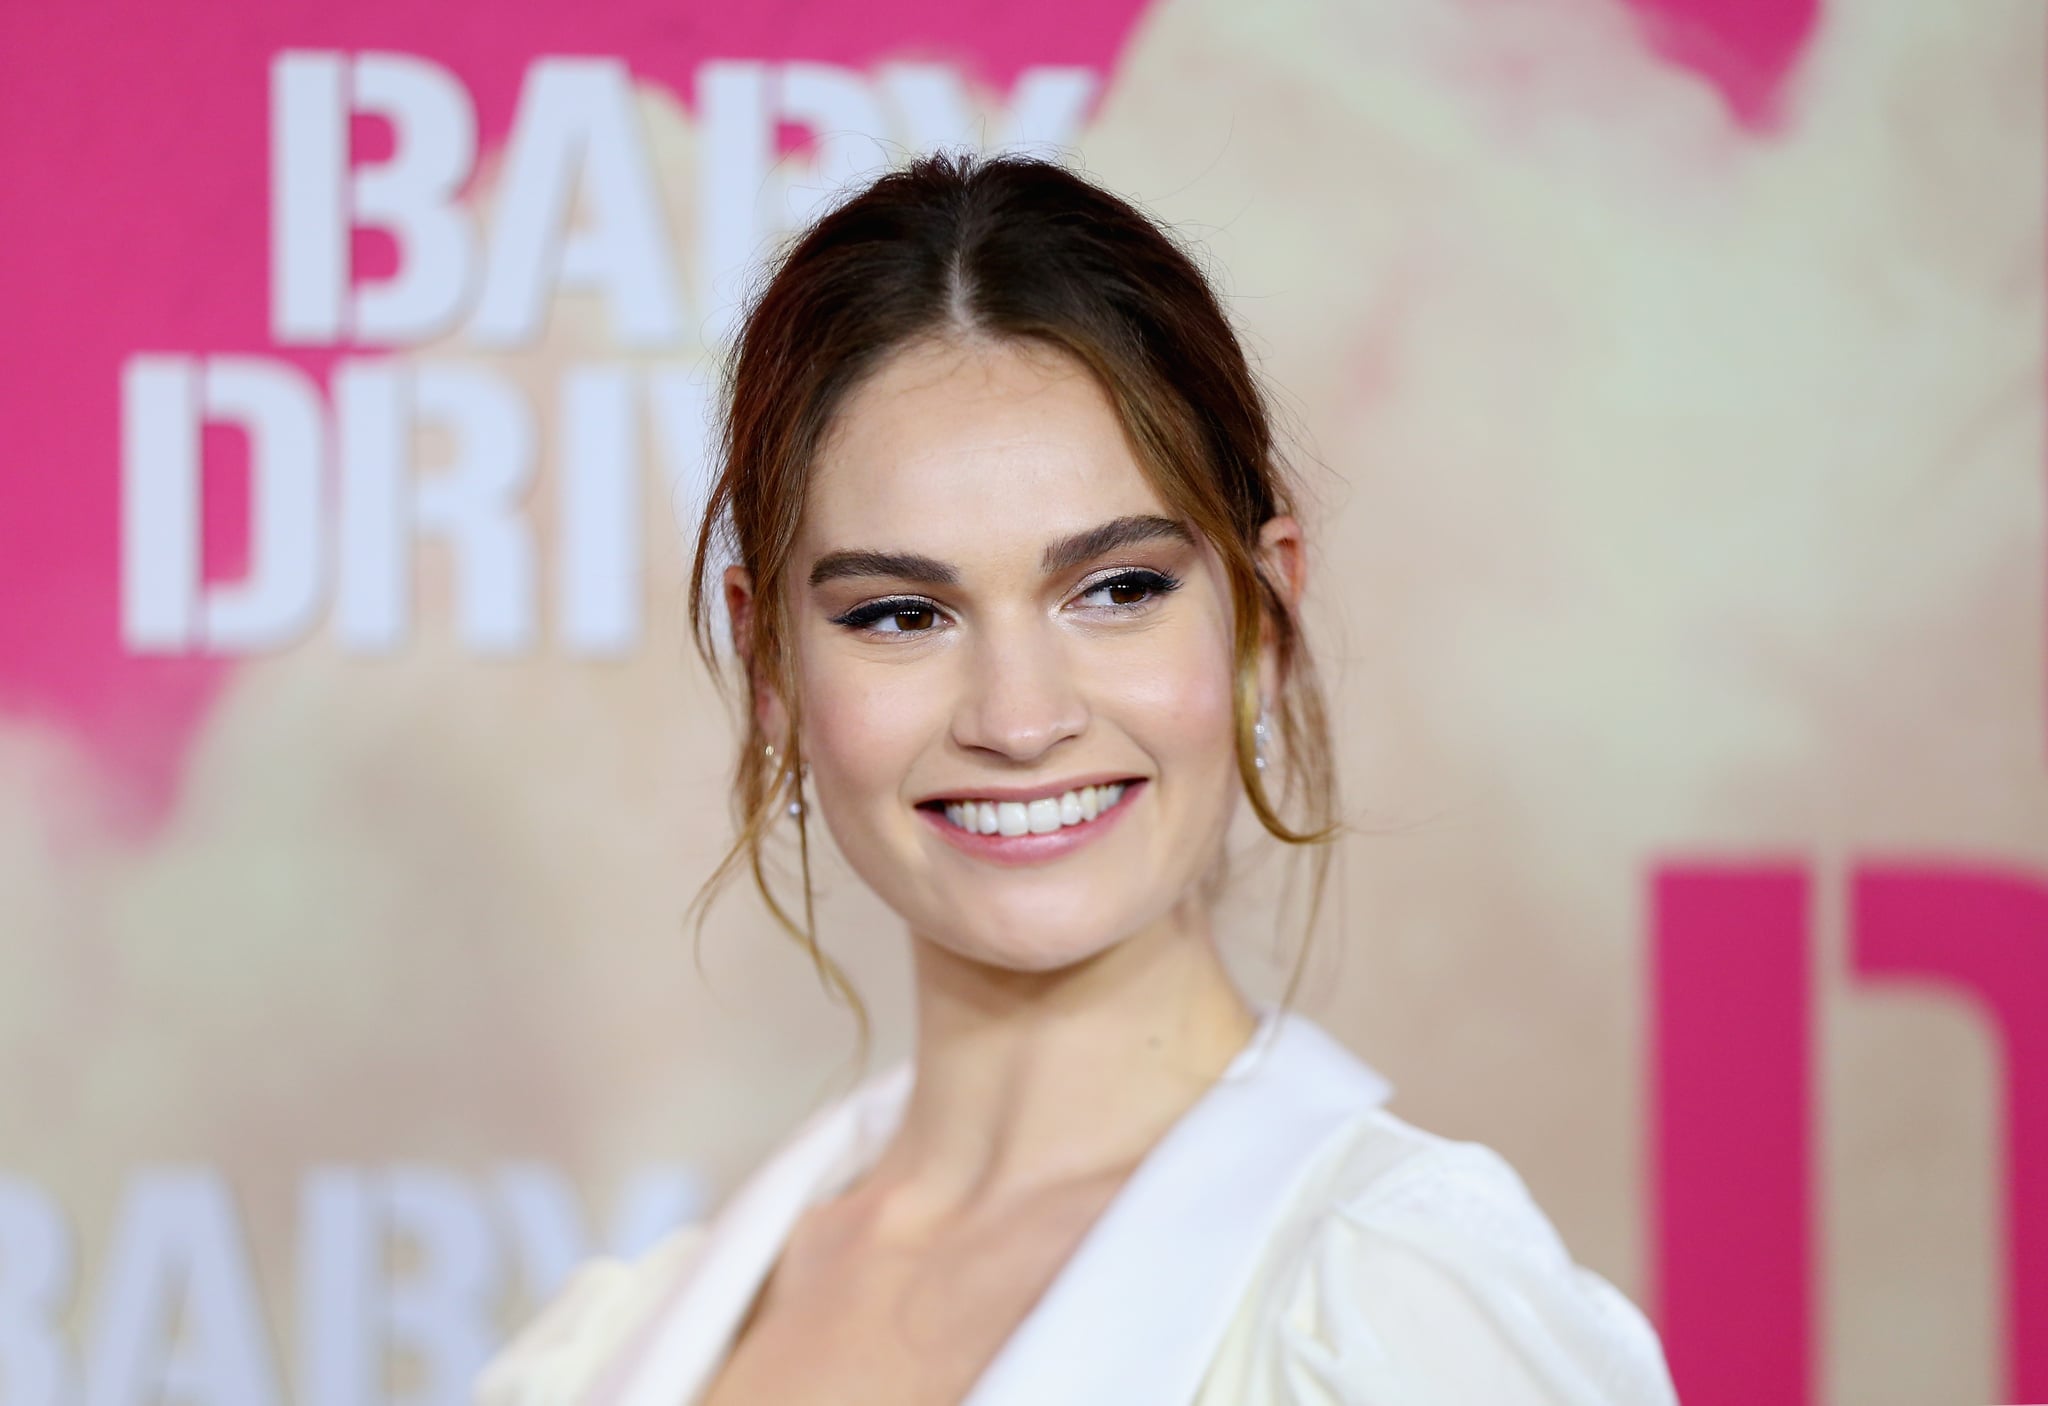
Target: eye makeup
[(869, 616)]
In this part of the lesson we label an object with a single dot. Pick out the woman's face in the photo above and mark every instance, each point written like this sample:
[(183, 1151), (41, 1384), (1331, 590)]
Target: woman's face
[(999, 626)]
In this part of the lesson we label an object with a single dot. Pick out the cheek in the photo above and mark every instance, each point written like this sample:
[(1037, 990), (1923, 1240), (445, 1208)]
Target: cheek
[(863, 725), (1177, 702)]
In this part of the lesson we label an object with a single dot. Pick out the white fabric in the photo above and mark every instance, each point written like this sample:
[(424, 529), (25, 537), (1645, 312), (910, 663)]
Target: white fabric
[(1289, 1242)]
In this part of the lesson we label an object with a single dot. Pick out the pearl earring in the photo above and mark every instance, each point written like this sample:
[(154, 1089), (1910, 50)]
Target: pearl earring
[(1261, 732), (796, 805)]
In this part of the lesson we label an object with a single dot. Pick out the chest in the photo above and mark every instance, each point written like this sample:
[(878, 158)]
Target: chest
[(843, 1322)]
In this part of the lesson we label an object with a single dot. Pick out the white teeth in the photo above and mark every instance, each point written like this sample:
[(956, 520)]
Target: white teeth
[(1039, 817)]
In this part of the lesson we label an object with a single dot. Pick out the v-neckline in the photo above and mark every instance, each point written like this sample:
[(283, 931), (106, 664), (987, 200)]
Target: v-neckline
[(1133, 1315)]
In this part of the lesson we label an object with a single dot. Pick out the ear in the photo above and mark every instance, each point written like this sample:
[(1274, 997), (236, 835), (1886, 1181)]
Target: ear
[(740, 603), (1283, 559)]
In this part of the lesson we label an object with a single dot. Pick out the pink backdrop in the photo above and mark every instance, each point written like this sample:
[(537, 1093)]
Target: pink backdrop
[(1674, 371)]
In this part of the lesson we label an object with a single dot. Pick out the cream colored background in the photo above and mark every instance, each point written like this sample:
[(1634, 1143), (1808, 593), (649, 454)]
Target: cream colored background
[(1680, 496)]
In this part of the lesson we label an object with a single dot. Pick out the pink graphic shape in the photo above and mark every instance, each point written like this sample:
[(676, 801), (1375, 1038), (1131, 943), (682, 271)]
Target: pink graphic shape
[(1748, 49), (135, 138), (1984, 935), (135, 141), (1731, 1105)]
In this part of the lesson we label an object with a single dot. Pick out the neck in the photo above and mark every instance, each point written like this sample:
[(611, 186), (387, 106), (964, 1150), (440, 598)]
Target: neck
[(1031, 1080)]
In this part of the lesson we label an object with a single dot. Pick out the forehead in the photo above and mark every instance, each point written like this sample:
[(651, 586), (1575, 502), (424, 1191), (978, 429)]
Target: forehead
[(984, 447)]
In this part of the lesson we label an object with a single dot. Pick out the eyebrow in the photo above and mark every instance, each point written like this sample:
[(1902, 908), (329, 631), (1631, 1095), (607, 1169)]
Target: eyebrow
[(1059, 555)]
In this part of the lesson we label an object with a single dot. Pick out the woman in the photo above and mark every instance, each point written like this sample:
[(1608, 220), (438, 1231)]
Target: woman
[(1016, 593)]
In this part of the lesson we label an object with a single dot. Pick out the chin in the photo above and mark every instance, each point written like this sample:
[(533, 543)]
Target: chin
[(1033, 944)]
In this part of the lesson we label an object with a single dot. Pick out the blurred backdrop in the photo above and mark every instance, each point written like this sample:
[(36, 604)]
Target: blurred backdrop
[(1668, 378)]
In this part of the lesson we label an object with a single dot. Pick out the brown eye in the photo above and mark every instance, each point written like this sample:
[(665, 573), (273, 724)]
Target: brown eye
[(1128, 590), (891, 617)]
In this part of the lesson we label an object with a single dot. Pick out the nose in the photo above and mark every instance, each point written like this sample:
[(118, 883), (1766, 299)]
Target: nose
[(1020, 697)]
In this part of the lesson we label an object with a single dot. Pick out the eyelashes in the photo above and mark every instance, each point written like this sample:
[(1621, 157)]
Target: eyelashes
[(914, 615), (874, 612)]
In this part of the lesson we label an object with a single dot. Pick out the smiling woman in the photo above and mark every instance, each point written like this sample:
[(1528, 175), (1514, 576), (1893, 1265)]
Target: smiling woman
[(1014, 586)]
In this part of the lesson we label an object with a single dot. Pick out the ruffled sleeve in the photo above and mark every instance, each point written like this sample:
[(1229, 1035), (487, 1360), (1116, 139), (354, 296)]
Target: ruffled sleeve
[(567, 1349), (1441, 1284)]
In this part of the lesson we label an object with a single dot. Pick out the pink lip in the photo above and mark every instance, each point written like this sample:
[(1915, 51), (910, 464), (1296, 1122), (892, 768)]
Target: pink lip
[(1033, 849)]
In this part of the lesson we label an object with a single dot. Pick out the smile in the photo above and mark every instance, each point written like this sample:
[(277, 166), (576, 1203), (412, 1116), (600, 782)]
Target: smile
[(1036, 817), (1031, 830)]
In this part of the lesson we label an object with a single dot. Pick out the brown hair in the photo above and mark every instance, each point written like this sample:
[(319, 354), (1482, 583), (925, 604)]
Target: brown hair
[(999, 248)]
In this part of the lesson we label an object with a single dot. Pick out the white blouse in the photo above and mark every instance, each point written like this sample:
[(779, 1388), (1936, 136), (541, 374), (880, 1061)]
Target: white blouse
[(1289, 1242)]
